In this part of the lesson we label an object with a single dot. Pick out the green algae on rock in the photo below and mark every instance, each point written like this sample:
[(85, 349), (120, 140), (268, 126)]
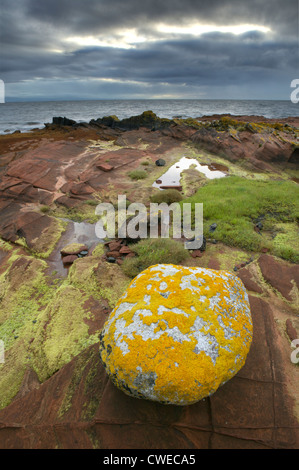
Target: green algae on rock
[(73, 249), (177, 334), (44, 324)]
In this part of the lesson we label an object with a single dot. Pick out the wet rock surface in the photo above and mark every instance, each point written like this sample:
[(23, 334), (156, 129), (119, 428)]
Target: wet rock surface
[(96, 411), (51, 314)]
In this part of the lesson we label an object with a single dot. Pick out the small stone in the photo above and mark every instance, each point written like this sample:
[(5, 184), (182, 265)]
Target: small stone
[(114, 246), (73, 249), (160, 162), (83, 253), (196, 254), (125, 250), (212, 228), (259, 225), (113, 254), (105, 166), (110, 259), (69, 259), (177, 187)]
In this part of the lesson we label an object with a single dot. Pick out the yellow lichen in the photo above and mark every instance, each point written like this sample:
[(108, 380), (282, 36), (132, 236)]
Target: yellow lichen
[(183, 374)]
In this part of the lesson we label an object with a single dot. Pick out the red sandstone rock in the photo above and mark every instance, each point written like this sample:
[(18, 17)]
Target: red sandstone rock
[(197, 254), (105, 166), (179, 188), (114, 246), (125, 250), (253, 410), (243, 413), (249, 280), (291, 332), (281, 275), (113, 254), (73, 249), (81, 188), (69, 259)]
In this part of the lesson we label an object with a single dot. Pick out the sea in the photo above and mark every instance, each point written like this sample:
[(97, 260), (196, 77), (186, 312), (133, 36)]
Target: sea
[(25, 116)]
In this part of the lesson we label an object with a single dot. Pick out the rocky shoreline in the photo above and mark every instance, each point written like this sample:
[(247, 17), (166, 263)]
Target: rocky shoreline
[(51, 315)]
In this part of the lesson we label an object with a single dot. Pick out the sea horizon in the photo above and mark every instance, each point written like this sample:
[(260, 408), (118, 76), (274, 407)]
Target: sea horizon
[(26, 115)]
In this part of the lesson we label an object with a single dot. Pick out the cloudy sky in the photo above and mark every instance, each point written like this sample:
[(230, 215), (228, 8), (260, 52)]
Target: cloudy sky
[(135, 49)]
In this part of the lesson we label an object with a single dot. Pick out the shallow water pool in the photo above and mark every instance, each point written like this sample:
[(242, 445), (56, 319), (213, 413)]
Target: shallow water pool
[(173, 174)]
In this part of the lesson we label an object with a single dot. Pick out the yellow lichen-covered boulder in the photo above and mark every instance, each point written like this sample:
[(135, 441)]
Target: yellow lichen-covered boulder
[(177, 334)]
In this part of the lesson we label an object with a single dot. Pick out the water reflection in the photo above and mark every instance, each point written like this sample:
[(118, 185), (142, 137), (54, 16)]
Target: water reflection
[(173, 174)]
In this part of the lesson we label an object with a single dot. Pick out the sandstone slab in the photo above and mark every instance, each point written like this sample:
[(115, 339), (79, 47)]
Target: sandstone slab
[(281, 275)]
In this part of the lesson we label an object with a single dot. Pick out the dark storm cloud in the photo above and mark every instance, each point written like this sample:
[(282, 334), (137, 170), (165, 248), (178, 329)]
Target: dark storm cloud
[(34, 44), (103, 14)]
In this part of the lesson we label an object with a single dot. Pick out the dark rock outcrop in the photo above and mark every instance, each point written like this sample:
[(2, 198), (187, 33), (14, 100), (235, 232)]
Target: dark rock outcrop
[(147, 119), (63, 121)]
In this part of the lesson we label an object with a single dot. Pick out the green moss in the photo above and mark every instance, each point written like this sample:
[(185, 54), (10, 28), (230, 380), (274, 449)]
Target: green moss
[(99, 250), (138, 174), (236, 203), (5, 246), (154, 251), (45, 209), (190, 122), (72, 248), (24, 292), (43, 246), (75, 381), (44, 323), (91, 202), (226, 122), (285, 244), (168, 196), (66, 332), (99, 279), (81, 213)]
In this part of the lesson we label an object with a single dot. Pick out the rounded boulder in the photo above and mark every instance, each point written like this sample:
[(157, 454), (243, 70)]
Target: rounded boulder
[(177, 334)]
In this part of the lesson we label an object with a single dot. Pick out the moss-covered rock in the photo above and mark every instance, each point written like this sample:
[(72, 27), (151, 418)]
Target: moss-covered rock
[(24, 292), (177, 334), (44, 322), (73, 249), (146, 119)]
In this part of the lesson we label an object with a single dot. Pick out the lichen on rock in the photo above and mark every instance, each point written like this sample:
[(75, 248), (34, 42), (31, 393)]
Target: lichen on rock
[(177, 334)]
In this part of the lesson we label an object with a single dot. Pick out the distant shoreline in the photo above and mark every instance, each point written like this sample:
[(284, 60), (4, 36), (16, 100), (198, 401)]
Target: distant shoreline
[(291, 120), (25, 116)]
